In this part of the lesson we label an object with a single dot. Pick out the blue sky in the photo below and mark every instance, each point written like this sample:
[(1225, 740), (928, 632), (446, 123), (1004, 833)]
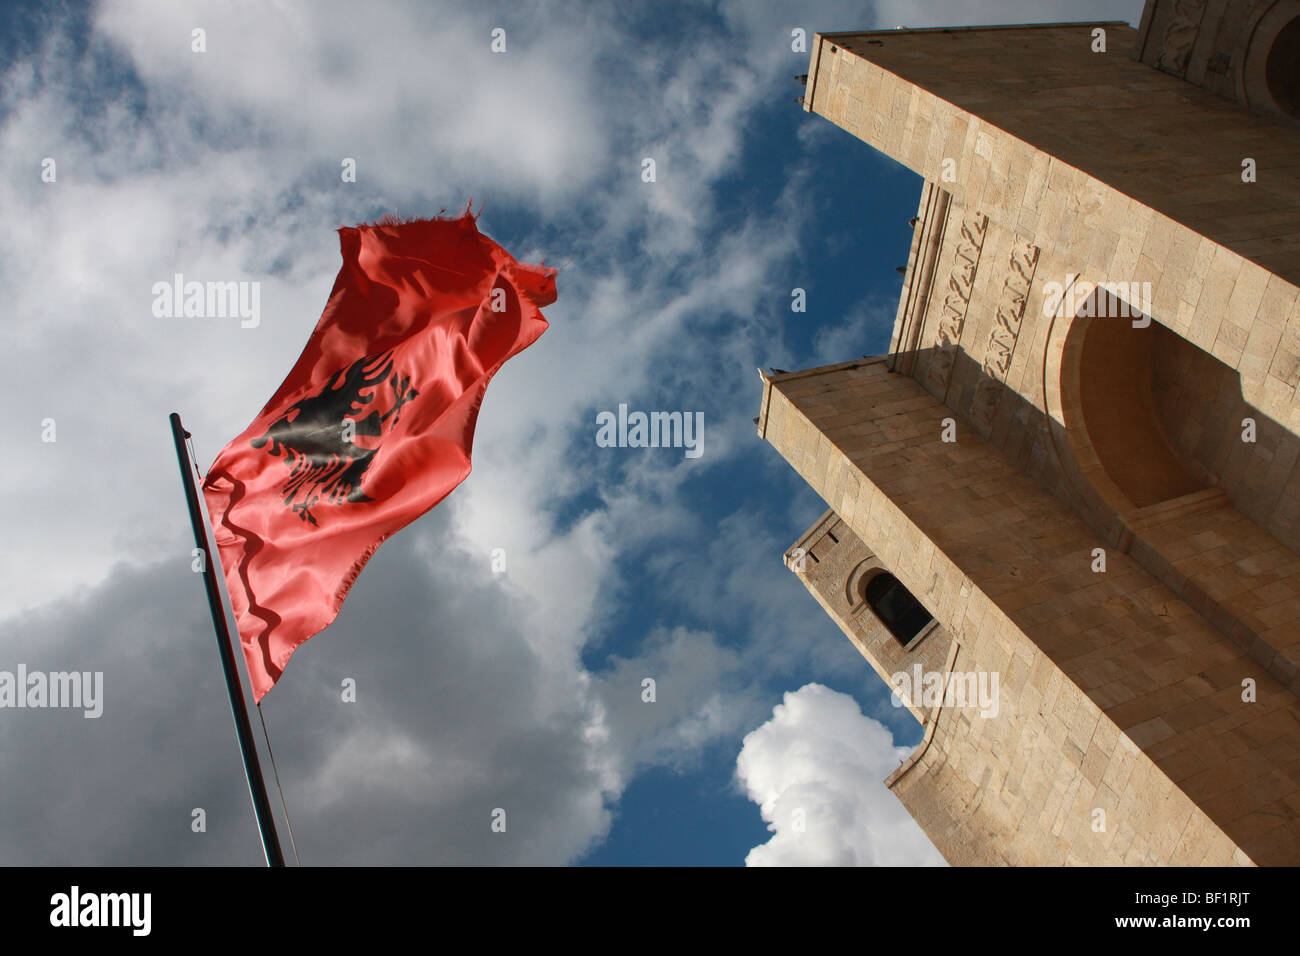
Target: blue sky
[(477, 690), (696, 815)]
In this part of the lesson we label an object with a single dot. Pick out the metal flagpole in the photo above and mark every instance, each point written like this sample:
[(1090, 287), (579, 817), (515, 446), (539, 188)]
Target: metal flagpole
[(234, 688)]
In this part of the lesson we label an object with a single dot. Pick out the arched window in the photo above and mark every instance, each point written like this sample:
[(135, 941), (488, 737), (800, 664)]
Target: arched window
[(903, 614)]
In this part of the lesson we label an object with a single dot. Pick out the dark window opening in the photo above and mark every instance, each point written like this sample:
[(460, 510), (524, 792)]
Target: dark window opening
[(903, 614)]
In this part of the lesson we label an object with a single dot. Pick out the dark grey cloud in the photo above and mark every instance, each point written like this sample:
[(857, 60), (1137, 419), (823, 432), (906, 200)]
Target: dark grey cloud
[(456, 715)]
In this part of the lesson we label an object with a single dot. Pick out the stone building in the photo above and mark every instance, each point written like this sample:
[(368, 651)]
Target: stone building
[(1075, 471)]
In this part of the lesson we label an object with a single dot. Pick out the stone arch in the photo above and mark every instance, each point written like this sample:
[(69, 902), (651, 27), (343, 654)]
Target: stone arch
[(1096, 497), (1119, 425), (872, 589), (855, 586), (1110, 423), (1198, 475), (1270, 70)]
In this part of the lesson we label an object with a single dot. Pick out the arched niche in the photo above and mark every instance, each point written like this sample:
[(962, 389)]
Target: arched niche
[(1270, 71)]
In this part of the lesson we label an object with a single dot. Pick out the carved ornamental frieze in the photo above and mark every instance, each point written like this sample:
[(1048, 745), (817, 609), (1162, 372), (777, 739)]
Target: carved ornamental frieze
[(1180, 35), (1006, 331), (952, 315)]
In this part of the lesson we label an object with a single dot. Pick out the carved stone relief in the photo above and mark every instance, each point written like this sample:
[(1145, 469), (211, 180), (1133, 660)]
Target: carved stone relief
[(952, 316), (1006, 331)]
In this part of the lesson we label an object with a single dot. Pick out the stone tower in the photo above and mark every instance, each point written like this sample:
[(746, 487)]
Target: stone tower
[(1065, 507)]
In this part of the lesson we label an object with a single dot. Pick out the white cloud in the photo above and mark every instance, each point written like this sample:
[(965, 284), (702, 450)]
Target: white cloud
[(816, 770), (697, 698)]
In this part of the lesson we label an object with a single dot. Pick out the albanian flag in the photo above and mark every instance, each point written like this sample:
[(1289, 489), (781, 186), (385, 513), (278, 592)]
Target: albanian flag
[(371, 428)]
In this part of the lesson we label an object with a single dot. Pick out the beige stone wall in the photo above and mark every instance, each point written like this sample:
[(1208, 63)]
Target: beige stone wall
[(1122, 689), (986, 343), (1117, 695), (1247, 579), (1110, 168)]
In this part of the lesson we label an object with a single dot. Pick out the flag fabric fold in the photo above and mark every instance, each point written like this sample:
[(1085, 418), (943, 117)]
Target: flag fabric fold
[(373, 426)]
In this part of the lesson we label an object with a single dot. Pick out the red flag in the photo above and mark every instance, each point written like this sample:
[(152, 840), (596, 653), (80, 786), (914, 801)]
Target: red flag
[(371, 428)]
